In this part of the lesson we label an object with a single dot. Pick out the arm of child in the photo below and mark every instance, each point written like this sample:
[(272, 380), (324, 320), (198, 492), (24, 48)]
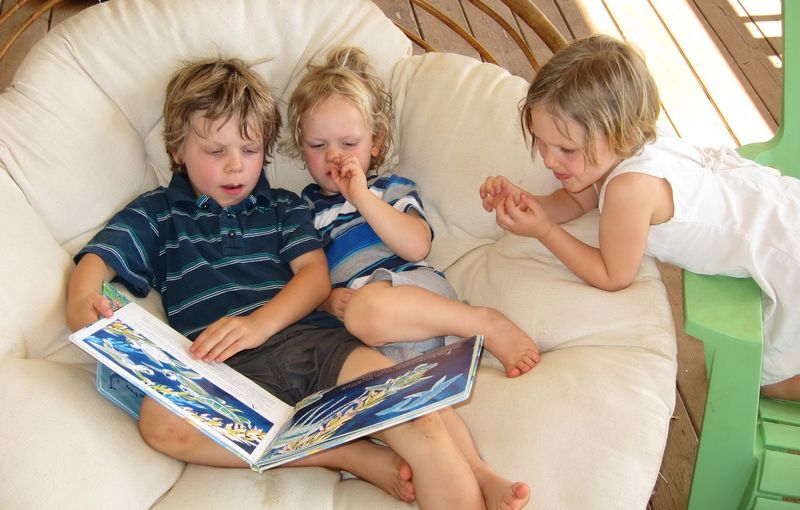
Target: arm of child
[(630, 202), (309, 286), (407, 234), (561, 205), (85, 301)]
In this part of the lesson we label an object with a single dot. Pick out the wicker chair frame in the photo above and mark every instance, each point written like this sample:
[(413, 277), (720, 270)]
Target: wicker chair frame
[(524, 11)]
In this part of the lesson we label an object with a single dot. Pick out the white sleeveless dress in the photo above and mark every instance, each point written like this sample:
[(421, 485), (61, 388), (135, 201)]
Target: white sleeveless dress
[(737, 218)]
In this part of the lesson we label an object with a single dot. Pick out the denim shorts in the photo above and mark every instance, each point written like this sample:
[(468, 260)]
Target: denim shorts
[(297, 361)]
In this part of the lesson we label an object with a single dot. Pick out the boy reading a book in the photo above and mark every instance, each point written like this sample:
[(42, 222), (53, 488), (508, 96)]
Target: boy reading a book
[(240, 269)]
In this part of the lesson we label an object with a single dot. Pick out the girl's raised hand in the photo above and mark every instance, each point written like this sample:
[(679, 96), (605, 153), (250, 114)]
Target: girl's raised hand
[(524, 217), (496, 189)]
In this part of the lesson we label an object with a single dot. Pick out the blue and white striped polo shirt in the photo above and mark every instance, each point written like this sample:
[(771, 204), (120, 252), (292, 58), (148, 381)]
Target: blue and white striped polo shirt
[(354, 251), (207, 261)]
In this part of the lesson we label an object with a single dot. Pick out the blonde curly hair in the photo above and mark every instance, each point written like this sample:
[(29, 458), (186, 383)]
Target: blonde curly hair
[(347, 73)]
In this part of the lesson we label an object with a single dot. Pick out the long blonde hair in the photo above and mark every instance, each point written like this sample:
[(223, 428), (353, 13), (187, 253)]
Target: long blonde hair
[(604, 85), (347, 73), (221, 89)]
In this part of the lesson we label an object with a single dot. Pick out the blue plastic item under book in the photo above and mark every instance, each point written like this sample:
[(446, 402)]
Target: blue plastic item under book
[(109, 384), (119, 391)]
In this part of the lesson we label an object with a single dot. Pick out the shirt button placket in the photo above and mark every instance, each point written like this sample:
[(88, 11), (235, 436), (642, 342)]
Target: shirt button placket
[(229, 228)]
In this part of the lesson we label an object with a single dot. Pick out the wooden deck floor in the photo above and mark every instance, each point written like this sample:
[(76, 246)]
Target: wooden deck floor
[(718, 66)]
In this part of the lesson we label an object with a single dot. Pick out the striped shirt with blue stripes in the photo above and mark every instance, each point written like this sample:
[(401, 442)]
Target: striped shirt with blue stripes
[(354, 251), (207, 261)]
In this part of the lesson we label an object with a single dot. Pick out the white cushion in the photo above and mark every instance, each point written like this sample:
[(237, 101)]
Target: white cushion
[(65, 447), (34, 270)]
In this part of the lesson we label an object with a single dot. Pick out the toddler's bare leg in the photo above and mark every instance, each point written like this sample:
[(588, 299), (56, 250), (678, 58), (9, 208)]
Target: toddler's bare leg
[(498, 492), (376, 464), (441, 474), (379, 313)]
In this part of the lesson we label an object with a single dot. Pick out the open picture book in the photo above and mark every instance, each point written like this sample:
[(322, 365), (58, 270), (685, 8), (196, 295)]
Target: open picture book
[(140, 355)]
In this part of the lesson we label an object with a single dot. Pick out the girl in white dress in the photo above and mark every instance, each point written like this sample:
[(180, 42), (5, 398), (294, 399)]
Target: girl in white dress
[(591, 112)]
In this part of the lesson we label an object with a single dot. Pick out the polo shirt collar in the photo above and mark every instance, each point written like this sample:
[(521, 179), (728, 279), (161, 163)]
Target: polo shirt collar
[(180, 191)]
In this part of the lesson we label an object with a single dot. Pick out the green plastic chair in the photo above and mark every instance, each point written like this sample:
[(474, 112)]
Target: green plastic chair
[(749, 451)]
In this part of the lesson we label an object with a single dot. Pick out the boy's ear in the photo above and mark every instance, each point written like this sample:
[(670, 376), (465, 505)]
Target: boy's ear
[(377, 143), (177, 156)]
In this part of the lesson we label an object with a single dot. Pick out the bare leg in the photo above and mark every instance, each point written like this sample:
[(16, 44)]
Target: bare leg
[(166, 432), (498, 493), (442, 476), (788, 389), (379, 313), (376, 464)]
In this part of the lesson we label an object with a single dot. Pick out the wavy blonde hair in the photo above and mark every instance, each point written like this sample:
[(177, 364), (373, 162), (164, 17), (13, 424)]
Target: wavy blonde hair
[(604, 85), (220, 89), (347, 73)]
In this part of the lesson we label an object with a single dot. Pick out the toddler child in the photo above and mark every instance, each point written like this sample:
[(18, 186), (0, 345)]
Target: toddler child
[(591, 112), (340, 121), (240, 270)]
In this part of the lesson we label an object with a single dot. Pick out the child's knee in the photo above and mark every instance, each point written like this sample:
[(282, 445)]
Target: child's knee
[(362, 316), (164, 435), (361, 302), (429, 425)]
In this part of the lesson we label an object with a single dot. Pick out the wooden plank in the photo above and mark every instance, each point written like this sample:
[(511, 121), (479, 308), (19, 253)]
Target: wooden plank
[(753, 53), (766, 16), (17, 52), (684, 98), (675, 476), (65, 10), (726, 86), (400, 12), (551, 10), (587, 17), (692, 376), (504, 49), (440, 36)]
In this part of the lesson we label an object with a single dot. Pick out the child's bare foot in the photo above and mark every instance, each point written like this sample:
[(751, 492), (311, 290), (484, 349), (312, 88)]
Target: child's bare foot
[(509, 344), (502, 494), (382, 467), (515, 498)]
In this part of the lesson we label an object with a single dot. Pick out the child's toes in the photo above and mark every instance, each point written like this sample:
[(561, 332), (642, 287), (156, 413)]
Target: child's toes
[(513, 371)]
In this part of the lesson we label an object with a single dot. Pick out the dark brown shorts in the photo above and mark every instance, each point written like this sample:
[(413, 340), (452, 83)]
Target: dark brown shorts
[(297, 361)]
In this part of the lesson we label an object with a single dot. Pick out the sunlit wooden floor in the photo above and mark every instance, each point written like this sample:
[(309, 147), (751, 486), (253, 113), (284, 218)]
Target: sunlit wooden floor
[(718, 65)]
